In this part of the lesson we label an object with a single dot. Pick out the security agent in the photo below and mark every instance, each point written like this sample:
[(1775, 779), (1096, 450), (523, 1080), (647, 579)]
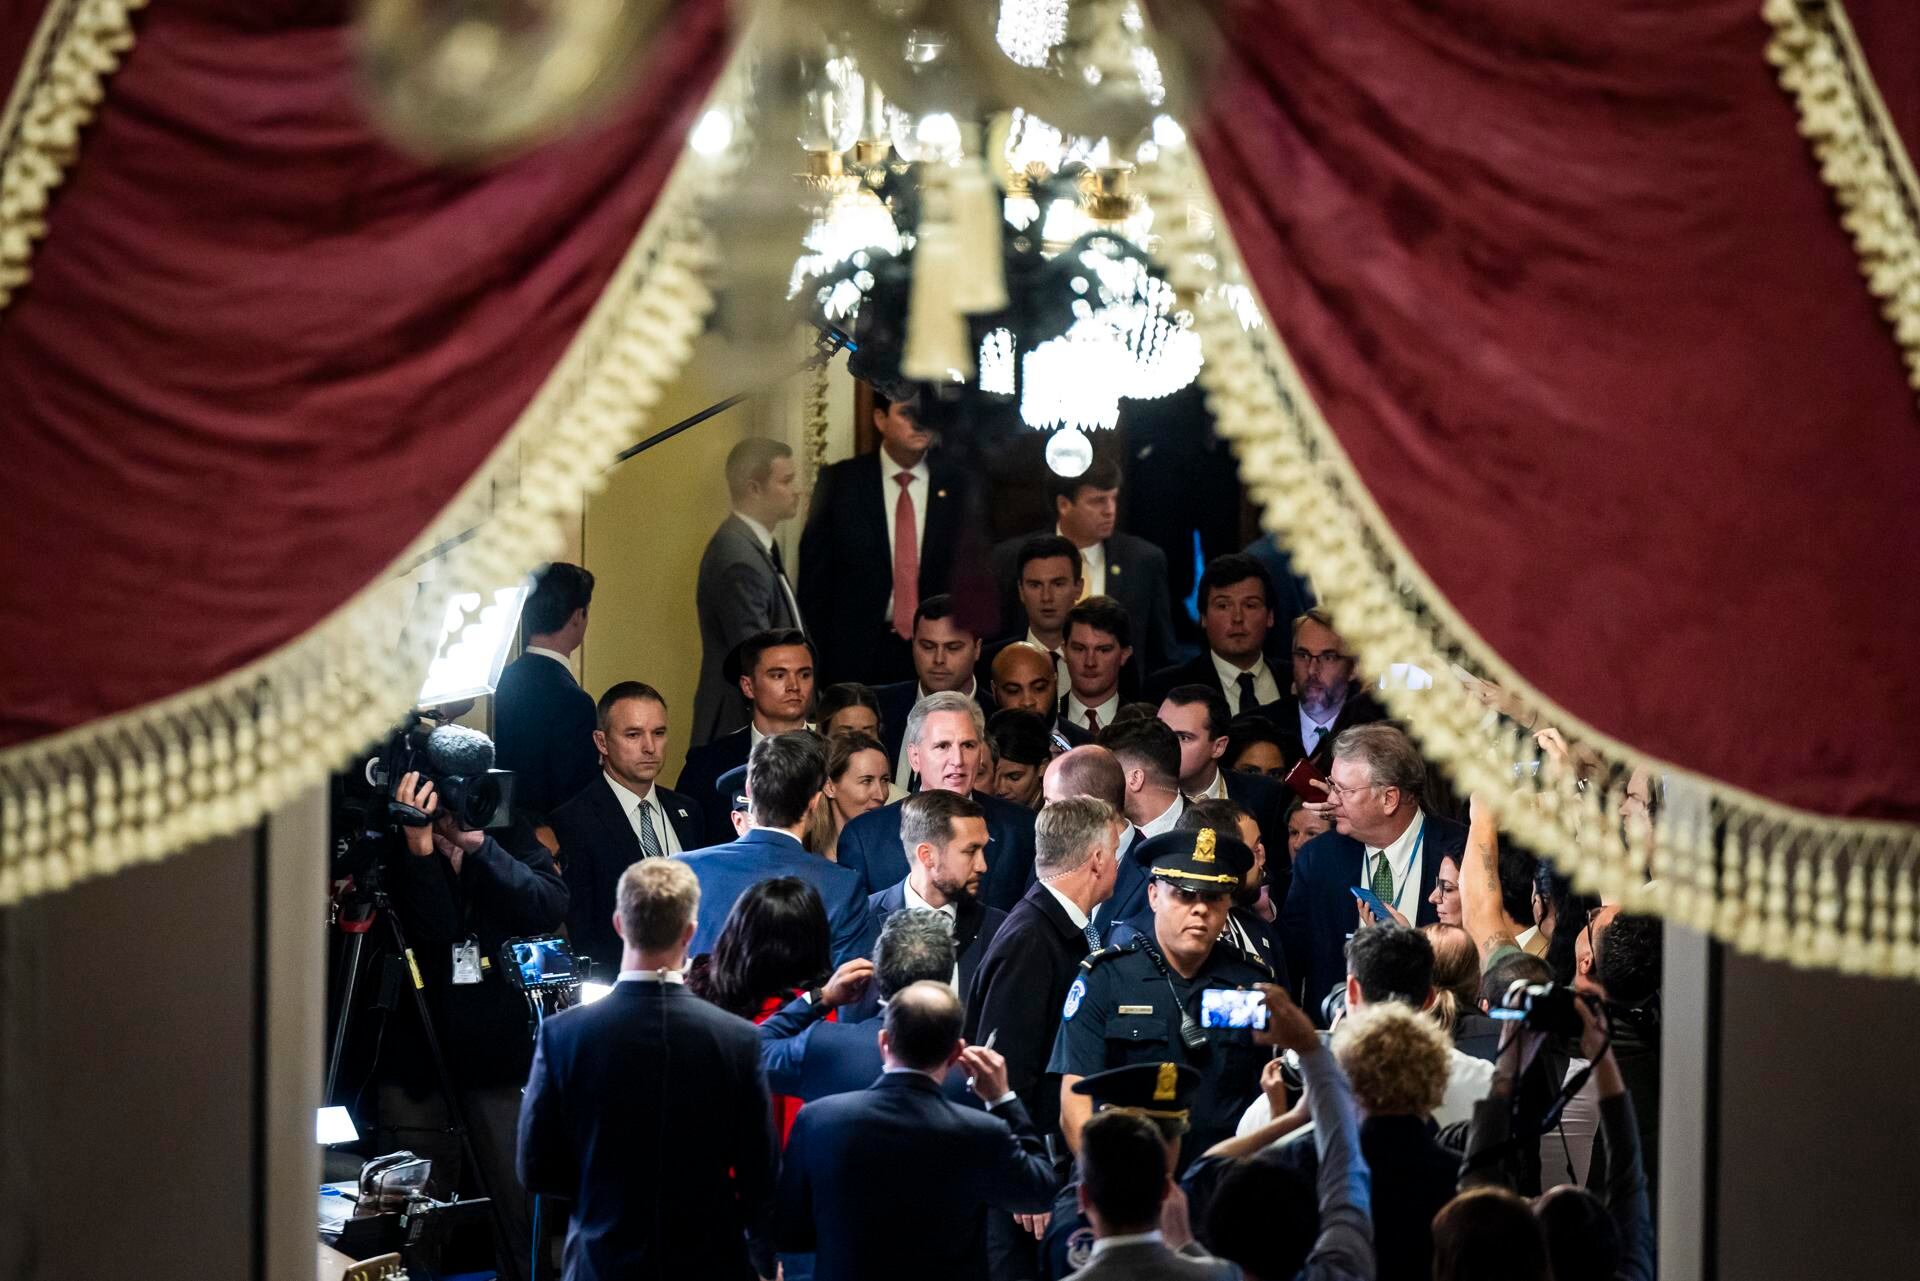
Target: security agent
[(1160, 1092), (1141, 1003)]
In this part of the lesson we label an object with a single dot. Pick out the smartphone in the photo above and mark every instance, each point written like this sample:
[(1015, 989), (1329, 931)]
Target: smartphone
[(1307, 782), (1226, 1007), (541, 962), (1374, 905)]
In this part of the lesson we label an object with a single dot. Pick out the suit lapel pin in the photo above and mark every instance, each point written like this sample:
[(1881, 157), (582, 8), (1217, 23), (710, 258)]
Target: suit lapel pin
[(1114, 570), (940, 493)]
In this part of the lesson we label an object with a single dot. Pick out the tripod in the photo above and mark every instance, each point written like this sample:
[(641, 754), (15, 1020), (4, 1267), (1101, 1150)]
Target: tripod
[(371, 904)]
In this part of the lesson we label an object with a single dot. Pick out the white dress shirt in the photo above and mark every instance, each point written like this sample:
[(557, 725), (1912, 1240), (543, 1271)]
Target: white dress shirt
[(890, 498), (1093, 565), (554, 654), (1104, 1244), (1059, 659), (914, 900), (651, 976), (1405, 856), (764, 537), (1077, 710), (1167, 819), (1265, 688), (645, 809), (1072, 908), (1216, 790), (1310, 728)]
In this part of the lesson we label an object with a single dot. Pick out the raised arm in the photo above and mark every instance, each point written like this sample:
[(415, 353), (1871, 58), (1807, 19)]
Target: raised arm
[(1482, 910)]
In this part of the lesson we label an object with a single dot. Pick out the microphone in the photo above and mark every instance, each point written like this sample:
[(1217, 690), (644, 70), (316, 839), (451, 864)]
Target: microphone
[(459, 752)]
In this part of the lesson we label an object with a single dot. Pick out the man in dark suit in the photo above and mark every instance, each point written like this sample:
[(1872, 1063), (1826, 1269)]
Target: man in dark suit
[(626, 818), (945, 837), (742, 588), (1017, 993), (776, 676), (945, 657), (880, 538), (1131, 570), (784, 779), (946, 737), (1099, 647), (1197, 715), (1094, 771), (1047, 584), (848, 1191), (543, 722), (1326, 699), (1236, 613), (1381, 840), (649, 1112), (808, 1058)]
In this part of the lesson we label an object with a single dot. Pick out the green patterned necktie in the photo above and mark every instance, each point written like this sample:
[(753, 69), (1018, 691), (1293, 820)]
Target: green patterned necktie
[(1383, 879)]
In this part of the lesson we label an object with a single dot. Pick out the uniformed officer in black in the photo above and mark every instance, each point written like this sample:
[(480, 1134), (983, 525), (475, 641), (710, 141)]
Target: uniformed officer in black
[(1163, 1093), (1142, 1003)]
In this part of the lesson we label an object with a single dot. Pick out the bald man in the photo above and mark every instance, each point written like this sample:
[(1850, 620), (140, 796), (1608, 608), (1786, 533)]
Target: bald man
[(1023, 680), (1096, 772)]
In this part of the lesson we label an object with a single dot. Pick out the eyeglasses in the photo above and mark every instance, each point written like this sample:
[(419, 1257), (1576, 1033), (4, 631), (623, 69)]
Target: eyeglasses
[(1446, 887), (1325, 658), (1335, 790)]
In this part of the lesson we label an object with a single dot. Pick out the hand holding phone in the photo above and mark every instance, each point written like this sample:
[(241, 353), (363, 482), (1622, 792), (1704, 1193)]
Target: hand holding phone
[(1227, 1007), (1374, 903)]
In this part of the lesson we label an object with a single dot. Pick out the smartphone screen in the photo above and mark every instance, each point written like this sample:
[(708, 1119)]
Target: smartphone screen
[(1223, 1007)]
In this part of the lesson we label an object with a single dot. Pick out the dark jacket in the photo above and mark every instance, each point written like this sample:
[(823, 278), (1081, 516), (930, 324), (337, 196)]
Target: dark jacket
[(870, 846), (728, 871), (597, 844), (1359, 709), (738, 594), (1129, 897), (700, 779), (1199, 670), (543, 725), (808, 1058), (896, 1180), (846, 565), (508, 888), (649, 1111), (975, 926), (1136, 577), (1320, 914), (1017, 993)]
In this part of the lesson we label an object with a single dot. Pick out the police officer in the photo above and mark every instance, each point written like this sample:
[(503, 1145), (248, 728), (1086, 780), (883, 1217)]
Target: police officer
[(1161, 1092), (1142, 1003)]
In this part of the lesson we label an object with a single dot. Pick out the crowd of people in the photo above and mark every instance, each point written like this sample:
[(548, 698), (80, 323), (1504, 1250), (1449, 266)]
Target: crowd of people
[(1042, 955)]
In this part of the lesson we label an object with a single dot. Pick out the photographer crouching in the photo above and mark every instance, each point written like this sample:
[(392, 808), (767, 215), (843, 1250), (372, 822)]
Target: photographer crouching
[(459, 895)]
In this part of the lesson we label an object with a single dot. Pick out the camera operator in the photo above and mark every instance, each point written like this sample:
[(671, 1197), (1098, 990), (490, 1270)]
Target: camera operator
[(459, 896)]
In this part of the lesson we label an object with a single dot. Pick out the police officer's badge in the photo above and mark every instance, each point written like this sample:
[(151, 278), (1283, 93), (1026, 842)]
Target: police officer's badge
[(1079, 1248), (1075, 995)]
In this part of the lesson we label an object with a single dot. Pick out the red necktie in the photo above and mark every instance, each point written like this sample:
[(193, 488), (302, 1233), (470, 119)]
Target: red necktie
[(906, 560), (1093, 721)]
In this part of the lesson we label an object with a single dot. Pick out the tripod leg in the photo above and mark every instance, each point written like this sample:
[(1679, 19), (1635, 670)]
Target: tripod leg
[(502, 1245), (351, 980)]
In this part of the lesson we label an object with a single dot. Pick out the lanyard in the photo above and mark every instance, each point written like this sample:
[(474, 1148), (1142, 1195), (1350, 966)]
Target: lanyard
[(1406, 872)]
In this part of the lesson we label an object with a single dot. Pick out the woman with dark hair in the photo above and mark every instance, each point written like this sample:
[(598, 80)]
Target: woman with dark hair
[(774, 946), (849, 707), (1563, 915), (1253, 746), (858, 780)]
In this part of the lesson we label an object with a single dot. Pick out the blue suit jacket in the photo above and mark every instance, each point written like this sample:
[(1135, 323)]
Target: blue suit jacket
[(1320, 914), (657, 1191), (870, 846), (543, 725), (807, 1058), (728, 871), (1129, 897), (849, 1190), (974, 927)]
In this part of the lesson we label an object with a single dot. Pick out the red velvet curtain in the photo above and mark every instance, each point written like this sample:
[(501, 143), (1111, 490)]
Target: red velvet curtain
[(1569, 290), (262, 349)]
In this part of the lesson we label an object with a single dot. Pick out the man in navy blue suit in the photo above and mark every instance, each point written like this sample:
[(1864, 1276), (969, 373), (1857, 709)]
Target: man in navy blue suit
[(1094, 771), (623, 818), (784, 778), (775, 671), (897, 1178), (945, 836), (946, 738), (945, 657), (648, 1110), (1380, 840), (543, 722)]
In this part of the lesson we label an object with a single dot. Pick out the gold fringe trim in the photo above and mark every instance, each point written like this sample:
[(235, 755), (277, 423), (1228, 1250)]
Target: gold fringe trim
[(146, 784), (56, 90), (1810, 890), (1821, 64)]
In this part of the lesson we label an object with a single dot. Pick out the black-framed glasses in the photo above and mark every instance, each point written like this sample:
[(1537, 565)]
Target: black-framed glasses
[(1325, 658)]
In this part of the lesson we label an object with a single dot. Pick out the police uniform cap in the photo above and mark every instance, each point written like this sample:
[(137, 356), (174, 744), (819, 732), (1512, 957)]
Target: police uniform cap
[(733, 786), (1203, 859), (1147, 1089)]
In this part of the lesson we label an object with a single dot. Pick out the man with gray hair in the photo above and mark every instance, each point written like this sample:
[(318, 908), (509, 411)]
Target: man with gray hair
[(945, 740), (1381, 843), (742, 587)]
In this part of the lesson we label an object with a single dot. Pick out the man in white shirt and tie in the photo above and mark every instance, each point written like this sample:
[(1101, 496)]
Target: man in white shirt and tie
[(1326, 699), (945, 837), (1149, 756), (624, 817), (1099, 646)]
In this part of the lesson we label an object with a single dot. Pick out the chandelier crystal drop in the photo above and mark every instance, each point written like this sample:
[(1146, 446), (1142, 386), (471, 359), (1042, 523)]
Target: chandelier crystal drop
[(1028, 30)]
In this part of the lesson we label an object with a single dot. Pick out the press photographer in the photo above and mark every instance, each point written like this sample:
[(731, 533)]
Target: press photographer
[(458, 894)]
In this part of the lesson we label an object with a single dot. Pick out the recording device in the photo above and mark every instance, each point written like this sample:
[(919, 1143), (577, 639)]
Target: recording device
[(540, 964), (1226, 1007), (1374, 903), (1543, 1007), (458, 762)]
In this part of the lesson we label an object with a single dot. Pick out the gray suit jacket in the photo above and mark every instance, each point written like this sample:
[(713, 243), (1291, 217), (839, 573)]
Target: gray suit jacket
[(738, 594), (1153, 1261)]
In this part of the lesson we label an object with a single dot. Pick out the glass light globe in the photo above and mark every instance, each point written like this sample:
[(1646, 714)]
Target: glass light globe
[(932, 139), (1069, 452)]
